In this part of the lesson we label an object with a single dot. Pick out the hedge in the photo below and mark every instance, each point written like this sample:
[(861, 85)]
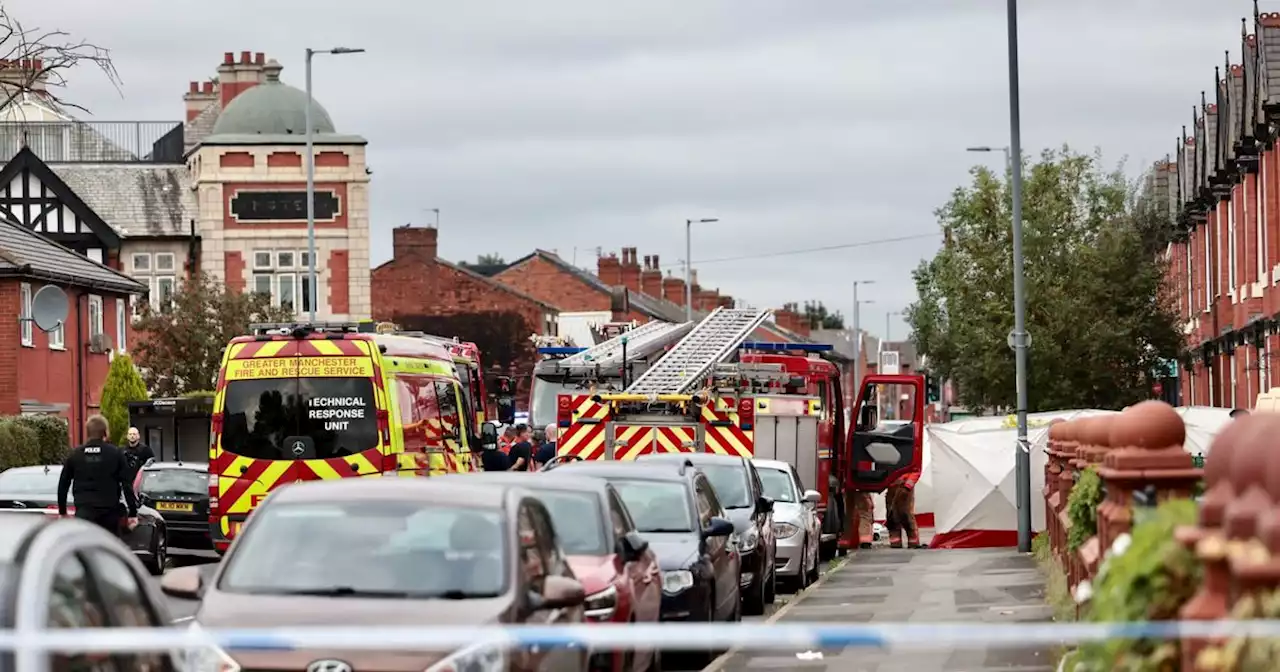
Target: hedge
[(27, 440)]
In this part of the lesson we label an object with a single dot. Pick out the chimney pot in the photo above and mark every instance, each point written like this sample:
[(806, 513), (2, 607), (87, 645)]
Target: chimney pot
[(207, 87), (194, 87), (260, 58), (648, 262), (244, 58), (228, 58)]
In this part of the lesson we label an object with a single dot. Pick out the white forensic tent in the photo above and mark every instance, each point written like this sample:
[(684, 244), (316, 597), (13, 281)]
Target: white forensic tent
[(972, 472)]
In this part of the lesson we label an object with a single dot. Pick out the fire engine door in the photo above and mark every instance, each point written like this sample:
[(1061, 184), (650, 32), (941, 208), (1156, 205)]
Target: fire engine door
[(792, 439), (887, 433)]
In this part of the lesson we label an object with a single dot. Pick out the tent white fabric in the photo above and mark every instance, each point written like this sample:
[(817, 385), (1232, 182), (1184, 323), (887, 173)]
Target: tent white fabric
[(971, 471)]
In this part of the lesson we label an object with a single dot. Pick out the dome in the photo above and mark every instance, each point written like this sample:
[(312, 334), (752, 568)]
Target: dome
[(271, 108)]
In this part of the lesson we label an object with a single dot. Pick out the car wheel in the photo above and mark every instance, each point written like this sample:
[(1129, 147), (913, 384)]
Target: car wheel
[(159, 552), (753, 602), (771, 588), (813, 572)]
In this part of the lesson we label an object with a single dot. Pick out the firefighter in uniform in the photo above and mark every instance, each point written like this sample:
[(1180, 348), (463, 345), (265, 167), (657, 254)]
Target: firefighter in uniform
[(900, 509)]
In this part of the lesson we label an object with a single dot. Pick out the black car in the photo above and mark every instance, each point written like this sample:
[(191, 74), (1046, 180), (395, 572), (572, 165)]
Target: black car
[(675, 508), (76, 576), (739, 489), (180, 492), (35, 490)]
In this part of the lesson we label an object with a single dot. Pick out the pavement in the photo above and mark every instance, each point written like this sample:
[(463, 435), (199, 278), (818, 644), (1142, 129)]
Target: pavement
[(884, 585)]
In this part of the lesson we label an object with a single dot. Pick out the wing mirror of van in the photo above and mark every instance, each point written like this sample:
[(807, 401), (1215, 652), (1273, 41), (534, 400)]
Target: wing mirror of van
[(183, 582), (489, 435)]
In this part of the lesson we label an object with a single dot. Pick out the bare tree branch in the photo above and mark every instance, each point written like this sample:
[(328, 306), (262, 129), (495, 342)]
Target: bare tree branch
[(57, 53)]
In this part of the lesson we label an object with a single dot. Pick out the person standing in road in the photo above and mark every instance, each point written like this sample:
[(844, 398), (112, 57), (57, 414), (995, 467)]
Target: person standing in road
[(900, 505), (507, 439), (521, 453), (492, 459), (547, 451), (137, 452), (96, 474)]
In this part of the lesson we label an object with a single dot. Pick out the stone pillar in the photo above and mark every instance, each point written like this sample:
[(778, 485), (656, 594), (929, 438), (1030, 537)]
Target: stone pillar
[(1054, 462), (1066, 481), (1253, 504), (1095, 443)]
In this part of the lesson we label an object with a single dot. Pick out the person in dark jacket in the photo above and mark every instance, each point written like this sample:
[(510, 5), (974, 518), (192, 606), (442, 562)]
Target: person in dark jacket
[(493, 459), (137, 452), (547, 450), (522, 451), (97, 473)]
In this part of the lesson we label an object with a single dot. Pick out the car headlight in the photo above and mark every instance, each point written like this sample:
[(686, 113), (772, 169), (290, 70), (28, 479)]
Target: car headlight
[(478, 658), (676, 581), (751, 539), (785, 530), (205, 659), (601, 605)]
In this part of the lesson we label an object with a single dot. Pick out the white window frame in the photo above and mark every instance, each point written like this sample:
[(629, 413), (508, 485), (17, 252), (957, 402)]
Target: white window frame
[(1259, 185), (24, 314), (1266, 364), (97, 324), (122, 326), (1231, 247), (173, 263), (57, 337), (271, 284), (291, 278), (1208, 272), (281, 266), (133, 263), (1232, 386), (271, 258), (303, 291), (155, 289), (1190, 276), (304, 261)]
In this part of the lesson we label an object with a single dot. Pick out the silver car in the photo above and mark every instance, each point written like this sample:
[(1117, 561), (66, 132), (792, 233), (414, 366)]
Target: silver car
[(795, 522)]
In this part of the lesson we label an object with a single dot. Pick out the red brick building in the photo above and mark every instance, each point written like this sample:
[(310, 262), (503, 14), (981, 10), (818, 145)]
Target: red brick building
[(60, 371), (1222, 194)]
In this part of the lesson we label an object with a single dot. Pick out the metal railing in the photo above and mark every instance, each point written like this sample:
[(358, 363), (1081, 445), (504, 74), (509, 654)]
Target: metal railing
[(95, 142)]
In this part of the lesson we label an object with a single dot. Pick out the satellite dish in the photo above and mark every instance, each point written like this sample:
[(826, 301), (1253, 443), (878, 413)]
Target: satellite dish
[(49, 308)]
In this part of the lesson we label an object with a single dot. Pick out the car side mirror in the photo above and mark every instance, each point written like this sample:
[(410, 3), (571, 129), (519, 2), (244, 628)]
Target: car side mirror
[(489, 435), (812, 497), (764, 504), (183, 582), (632, 546), (144, 499), (717, 527), (561, 592)]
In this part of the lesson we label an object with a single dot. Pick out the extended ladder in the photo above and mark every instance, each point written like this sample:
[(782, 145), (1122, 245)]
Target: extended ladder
[(714, 340), (641, 342)]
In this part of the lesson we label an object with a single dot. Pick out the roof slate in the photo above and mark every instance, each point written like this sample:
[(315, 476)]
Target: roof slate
[(200, 126), (25, 253), (135, 199)]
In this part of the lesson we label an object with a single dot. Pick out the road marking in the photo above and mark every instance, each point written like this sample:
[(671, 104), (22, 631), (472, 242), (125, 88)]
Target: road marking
[(720, 662)]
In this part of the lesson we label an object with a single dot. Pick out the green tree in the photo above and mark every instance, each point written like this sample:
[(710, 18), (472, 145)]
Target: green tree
[(818, 317), (494, 259), (180, 346), (123, 385), (1096, 303)]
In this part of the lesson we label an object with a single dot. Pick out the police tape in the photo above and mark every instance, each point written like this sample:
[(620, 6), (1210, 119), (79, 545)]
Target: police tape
[(608, 636)]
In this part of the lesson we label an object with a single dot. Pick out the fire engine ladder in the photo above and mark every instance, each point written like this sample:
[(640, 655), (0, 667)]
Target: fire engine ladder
[(714, 340), (641, 341), (758, 374)]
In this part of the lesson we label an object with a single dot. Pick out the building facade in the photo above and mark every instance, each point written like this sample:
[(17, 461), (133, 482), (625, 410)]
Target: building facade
[(1221, 194)]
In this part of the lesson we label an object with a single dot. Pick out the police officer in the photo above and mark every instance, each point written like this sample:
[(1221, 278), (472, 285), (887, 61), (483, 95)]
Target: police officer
[(97, 473)]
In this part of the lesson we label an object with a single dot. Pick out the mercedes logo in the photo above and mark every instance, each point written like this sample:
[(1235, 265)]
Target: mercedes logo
[(19, 505), (299, 448), (330, 666)]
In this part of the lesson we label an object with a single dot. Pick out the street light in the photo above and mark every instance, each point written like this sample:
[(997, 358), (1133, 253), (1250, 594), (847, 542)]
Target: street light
[(312, 292), (857, 335), (1008, 161), (887, 316), (688, 264)]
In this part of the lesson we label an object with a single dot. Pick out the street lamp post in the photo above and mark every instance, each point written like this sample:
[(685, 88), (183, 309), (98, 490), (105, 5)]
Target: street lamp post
[(888, 316), (1008, 158), (312, 292), (688, 264), (857, 335)]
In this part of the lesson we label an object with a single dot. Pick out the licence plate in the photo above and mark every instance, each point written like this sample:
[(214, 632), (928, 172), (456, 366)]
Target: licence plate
[(174, 506)]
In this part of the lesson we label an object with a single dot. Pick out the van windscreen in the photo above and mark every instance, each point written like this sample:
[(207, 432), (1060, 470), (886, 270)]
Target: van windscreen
[(337, 414)]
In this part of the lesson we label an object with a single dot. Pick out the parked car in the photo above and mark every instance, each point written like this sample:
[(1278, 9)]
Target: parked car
[(35, 490), (675, 508), (80, 577), (370, 552), (738, 488), (180, 492), (795, 522), (613, 561)]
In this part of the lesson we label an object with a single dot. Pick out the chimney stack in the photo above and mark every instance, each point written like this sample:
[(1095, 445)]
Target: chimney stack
[(630, 269), (609, 269), (673, 290), (414, 241), (236, 77), (199, 96), (651, 278), (23, 74)]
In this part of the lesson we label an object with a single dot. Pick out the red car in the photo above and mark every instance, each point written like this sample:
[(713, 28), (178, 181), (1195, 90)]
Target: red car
[(618, 571)]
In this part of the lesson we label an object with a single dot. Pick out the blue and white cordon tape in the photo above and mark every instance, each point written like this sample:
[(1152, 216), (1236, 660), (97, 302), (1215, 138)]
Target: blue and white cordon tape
[(670, 636)]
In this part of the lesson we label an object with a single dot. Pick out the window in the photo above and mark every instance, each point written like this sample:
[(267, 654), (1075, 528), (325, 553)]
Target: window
[(656, 506), (304, 281), (56, 340), (262, 284), (121, 326), (731, 484), (779, 485), (1259, 213), (533, 567), (95, 316), (286, 294), (578, 521), (261, 260), (162, 292), (127, 606), (618, 516), (95, 254), (284, 261), (141, 263), (28, 329), (164, 262), (74, 603), (1233, 286), (304, 260)]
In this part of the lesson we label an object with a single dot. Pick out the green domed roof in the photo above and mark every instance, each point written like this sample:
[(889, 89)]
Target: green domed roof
[(271, 108)]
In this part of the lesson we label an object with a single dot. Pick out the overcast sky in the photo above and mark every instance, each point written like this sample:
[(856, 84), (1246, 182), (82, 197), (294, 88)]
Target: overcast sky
[(573, 125)]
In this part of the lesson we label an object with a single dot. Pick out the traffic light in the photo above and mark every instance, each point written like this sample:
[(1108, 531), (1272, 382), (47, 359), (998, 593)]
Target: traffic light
[(933, 388)]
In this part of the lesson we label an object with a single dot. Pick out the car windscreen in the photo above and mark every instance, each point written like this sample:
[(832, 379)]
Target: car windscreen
[(778, 485), (578, 522), (188, 482), (30, 481), (542, 410), (730, 483), (374, 548), (656, 506), (334, 416)]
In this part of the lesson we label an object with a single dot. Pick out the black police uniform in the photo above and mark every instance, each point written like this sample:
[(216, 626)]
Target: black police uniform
[(137, 456), (96, 473)]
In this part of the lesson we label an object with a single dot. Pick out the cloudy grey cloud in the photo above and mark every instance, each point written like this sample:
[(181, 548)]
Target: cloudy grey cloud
[(575, 125)]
